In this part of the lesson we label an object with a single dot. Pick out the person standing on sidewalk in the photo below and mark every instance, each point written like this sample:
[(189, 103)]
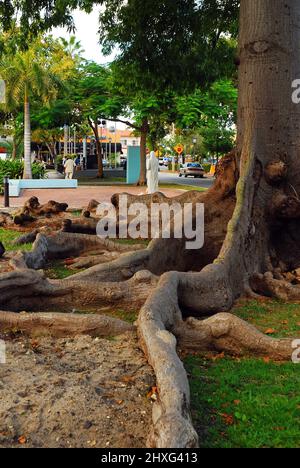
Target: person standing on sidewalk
[(69, 168)]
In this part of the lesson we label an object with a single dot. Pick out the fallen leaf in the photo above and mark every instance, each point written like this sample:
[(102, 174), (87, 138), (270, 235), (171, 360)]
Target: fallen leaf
[(153, 393), (216, 357), (35, 345), (270, 331), (227, 418), (69, 261), (22, 440), (267, 360), (127, 379)]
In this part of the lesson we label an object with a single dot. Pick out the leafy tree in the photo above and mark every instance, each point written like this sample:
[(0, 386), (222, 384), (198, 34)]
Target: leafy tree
[(27, 76), (213, 114)]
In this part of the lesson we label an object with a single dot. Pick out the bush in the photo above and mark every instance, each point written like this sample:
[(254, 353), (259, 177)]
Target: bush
[(14, 170), (207, 167)]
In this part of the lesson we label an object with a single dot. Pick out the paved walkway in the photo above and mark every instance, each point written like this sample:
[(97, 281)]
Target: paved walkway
[(80, 197)]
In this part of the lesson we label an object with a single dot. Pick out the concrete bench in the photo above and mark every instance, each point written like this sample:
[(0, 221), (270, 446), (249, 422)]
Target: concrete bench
[(15, 186)]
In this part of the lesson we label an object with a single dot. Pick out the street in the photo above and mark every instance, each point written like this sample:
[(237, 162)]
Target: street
[(169, 178)]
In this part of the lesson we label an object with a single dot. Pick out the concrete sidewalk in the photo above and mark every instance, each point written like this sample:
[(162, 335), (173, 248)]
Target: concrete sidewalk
[(80, 197)]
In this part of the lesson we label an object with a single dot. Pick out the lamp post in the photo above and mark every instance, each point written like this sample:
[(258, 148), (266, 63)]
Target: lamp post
[(194, 143), (66, 138), (6, 192), (110, 140), (115, 145)]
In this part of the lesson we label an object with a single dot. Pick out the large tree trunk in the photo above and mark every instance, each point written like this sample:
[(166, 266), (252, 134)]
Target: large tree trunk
[(27, 139), (95, 129), (144, 132)]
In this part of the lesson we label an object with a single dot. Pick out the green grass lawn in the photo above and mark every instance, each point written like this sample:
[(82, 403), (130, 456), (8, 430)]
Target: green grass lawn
[(187, 188), (283, 319), (93, 181), (249, 403), (58, 270), (8, 237)]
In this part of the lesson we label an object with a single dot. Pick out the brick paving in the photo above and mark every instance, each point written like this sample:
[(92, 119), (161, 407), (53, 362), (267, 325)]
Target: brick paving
[(80, 197)]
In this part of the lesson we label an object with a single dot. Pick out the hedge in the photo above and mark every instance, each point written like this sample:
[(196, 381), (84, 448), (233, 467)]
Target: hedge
[(14, 170)]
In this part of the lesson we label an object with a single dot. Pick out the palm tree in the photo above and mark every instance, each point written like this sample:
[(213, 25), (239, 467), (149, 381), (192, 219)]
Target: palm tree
[(72, 47), (27, 75)]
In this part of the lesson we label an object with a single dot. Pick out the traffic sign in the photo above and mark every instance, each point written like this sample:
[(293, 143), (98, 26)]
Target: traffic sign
[(179, 149)]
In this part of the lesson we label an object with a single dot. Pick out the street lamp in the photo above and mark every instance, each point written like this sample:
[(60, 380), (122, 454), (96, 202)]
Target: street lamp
[(102, 125), (194, 143)]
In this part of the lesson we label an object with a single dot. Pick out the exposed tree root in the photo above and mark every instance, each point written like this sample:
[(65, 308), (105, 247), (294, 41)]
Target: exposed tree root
[(267, 285), (228, 333), (205, 292), (31, 290), (160, 319), (62, 325), (65, 245), (32, 209)]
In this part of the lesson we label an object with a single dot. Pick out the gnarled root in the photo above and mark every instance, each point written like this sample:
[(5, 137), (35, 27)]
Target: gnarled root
[(228, 333), (172, 426), (32, 209), (31, 290), (267, 285), (62, 325), (63, 245)]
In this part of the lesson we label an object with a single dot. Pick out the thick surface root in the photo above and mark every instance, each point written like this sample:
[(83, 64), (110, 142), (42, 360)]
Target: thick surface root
[(31, 290), (62, 325), (267, 285), (228, 333)]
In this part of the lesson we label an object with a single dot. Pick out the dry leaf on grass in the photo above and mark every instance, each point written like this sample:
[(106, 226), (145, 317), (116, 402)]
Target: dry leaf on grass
[(22, 440), (270, 331)]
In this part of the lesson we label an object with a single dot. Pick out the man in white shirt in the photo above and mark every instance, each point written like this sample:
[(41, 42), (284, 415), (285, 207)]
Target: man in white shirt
[(69, 168)]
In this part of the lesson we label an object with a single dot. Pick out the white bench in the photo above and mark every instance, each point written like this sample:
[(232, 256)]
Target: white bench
[(15, 185)]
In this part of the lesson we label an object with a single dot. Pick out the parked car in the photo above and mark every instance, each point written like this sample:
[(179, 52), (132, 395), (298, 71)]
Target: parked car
[(161, 161), (192, 170)]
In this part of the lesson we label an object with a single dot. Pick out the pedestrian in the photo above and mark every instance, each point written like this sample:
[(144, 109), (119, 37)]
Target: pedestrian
[(69, 168)]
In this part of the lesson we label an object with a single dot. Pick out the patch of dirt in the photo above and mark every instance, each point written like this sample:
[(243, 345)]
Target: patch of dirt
[(79, 392), (4, 264)]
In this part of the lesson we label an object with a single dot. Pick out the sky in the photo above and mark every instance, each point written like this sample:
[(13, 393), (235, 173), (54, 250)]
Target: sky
[(87, 33)]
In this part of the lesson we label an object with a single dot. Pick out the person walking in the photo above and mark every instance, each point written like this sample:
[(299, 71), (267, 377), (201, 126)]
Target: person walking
[(69, 168)]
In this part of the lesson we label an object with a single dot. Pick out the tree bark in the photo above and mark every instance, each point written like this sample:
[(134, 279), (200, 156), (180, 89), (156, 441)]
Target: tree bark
[(27, 138), (95, 129), (143, 150), (14, 148), (62, 325)]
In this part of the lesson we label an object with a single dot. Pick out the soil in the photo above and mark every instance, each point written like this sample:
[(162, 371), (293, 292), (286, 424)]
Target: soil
[(74, 393), (4, 264)]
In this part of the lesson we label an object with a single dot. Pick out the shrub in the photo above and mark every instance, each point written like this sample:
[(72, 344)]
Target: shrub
[(14, 170), (207, 167)]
